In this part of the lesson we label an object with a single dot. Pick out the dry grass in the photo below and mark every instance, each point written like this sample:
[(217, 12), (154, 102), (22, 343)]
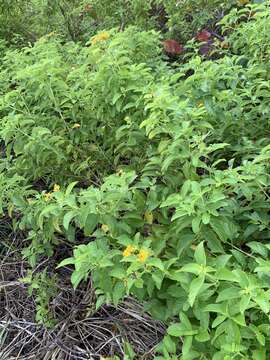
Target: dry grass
[(81, 332)]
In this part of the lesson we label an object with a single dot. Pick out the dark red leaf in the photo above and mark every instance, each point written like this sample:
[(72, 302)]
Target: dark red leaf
[(173, 47), (203, 36)]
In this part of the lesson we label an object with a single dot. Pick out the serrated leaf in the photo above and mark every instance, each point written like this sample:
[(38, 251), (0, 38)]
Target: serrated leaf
[(118, 272), (196, 222), (158, 278), (195, 288), (228, 294), (263, 302), (90, 224), (244, 303), (199, 254), (118, 292), (225, 274), (191, 268), (155, 262)]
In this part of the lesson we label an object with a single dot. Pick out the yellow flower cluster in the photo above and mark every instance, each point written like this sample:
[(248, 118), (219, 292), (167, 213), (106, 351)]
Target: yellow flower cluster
[(119, 172), (142, 256), (47, 196), (56, 187), (148, 216), (105, 228), (103, 36), (129, 250)]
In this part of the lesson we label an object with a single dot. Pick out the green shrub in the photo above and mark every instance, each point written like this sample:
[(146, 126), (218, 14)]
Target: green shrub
[(60, 109), (164, 169)]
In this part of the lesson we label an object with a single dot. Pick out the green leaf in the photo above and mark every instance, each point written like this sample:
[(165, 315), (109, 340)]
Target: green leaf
[(177, 330), (158, 278), (118, 272), (217, 308), (213, 242), (195, 288), (100, 301), (258, 248), (218, 320), (228, 294), (206, 218), (202, 336), (225, 274), (196, 222), (187, 344), (239, 319), (260, 337), (244, 303), (262, 300), (118, 292), (224, 228), (65, 262), (199, 254), (129, 351), (76, 278), (169, 344), (90, 224), (191, 268), (259, 354), (70, 187), (68, 217), (155, 262), (185, 320)]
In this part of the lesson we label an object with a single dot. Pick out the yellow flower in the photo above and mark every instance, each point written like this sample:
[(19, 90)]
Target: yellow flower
[(200, 104), (129, 250), (76, 126), (143, 255), (105, 228), (224, 44), (47, 196), (148, 216), (100, 37), (119, 172), (56, 188)]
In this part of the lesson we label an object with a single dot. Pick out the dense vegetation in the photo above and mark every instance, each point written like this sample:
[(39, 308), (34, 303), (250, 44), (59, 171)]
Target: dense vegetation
[(149, 167)]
